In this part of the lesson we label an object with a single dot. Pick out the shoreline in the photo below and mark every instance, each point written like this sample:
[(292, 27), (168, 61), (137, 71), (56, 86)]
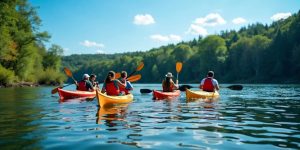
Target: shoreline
[(27, 84)]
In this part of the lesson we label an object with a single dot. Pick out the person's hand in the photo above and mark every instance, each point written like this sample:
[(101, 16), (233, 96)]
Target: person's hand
[(176, 81)]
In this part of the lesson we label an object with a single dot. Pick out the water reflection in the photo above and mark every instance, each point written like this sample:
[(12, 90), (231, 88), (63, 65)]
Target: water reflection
[(111, 114)]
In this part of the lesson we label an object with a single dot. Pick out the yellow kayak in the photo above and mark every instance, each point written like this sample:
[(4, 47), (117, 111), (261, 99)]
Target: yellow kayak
[(201, 94), (104, 99)]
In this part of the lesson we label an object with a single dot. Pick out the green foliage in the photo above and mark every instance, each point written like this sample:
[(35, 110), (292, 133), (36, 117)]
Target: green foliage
[(51, 76), (22, 53), (6, 76)]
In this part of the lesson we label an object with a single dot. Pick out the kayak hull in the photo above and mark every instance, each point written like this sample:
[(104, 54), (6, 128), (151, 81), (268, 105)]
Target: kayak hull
[(158, 95), (201, 94), (104, 99), (65, 94)]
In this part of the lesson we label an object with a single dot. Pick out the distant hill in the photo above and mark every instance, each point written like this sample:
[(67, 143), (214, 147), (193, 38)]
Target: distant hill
[(257, 53)]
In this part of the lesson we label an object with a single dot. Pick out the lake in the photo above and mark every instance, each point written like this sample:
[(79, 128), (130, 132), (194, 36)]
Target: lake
[(262, 116)]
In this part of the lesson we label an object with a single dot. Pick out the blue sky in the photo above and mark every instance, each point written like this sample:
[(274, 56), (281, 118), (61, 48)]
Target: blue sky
[(114, 26)]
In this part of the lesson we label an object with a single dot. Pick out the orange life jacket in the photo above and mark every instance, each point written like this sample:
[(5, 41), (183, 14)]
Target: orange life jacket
[(112, 88), (124, 89), (208, 85)]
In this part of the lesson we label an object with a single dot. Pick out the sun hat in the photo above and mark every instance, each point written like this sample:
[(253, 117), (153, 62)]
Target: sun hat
[(85, 76), (169, 74)]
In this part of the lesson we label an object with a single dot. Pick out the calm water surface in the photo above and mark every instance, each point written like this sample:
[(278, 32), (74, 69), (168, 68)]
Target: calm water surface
[(258, 117)]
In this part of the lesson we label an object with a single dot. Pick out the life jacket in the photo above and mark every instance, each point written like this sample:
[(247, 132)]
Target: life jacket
[(208, 85), (168, 89), (82, 86), (125, 90), (112, 88)]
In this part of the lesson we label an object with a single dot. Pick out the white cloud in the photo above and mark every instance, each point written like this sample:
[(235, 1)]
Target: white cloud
[(239, 20), (88, 43), (165, 38), (143, 19), (211, 19), (197, 30), (279, 16)]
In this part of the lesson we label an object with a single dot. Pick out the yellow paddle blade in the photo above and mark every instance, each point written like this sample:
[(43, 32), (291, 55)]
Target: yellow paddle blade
[(134, 78), (140, 67), (68, 72), (178, 67), (117, 75)]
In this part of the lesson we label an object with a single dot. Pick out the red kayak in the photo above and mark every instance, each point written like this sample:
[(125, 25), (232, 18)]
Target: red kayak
[(165, 95), (64, 94)]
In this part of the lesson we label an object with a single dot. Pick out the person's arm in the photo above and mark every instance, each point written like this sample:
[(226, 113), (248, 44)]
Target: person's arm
[(90, 86), (103, 88), (216, 85), (175, 85), (201, 84), (121, 84)]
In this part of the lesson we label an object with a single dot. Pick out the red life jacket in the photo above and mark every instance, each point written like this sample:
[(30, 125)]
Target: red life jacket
[(124, 89), (82, 86), (112, 88), (168, 89), (208, 85)]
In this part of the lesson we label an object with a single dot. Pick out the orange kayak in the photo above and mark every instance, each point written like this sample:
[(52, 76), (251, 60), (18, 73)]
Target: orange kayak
[(65, 94), (165, 95)]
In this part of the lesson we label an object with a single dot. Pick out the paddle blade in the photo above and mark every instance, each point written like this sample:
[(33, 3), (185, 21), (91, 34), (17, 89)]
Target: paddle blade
[(184, 87), (145, 90), (134, 78), (235, 87), (140, 67), (55, 90), (68, 72), (117, 75), (178, 67)]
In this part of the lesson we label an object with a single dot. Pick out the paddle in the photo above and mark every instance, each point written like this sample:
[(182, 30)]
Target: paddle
[(178, 68), (140, 67), (232, 87), (69, 74), (134, 78), (55, 90)]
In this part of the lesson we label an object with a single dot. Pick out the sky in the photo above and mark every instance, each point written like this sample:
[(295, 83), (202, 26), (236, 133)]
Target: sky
[(117, 26)]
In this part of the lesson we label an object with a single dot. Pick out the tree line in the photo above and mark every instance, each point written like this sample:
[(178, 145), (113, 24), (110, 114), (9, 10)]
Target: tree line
[(23, 56), (257, 53)]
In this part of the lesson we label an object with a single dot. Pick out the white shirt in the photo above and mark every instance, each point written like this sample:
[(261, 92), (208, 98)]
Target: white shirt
[(214, 81)]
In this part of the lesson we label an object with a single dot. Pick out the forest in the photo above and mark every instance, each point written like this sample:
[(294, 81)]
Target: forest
[(257, 53), (23, 55)]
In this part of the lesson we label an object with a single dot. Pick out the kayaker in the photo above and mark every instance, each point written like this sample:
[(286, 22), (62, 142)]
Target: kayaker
[(93, 81), (209, 84), (168, 84), (128, 86), (111, 85), (84, 84)]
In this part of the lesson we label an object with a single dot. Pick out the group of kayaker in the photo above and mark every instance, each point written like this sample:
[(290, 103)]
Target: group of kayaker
[(111, 85), (115, 87), (208, 84)]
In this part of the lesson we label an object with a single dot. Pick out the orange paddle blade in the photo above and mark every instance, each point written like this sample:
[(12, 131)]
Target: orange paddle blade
[(134, 78), (178, 67), (68, 72), (140, 67), (117, 75)]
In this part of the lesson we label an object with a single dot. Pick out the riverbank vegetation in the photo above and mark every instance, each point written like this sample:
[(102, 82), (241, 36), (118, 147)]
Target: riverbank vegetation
[(257, 53), (23, 56)]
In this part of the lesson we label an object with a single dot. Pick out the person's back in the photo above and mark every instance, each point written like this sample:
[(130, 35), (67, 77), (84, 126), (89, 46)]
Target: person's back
[(84, 84), (168, 85), (112, 86), (209, 84)]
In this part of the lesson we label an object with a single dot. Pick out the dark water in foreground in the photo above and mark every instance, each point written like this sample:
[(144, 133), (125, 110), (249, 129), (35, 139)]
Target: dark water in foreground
[(258, 117)]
